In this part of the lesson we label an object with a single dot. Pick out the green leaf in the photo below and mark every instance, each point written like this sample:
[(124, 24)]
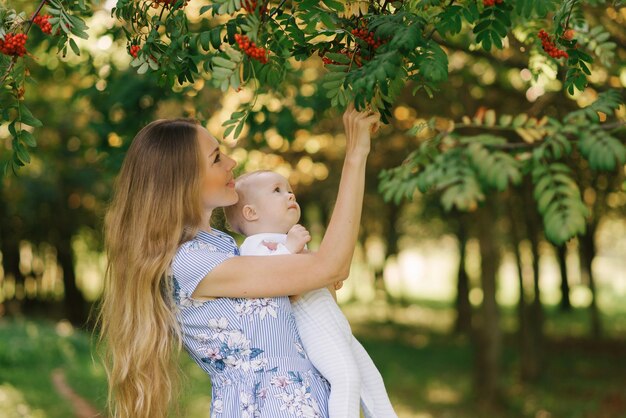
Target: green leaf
[(21, 152), (433, 64), (340, 58), (26, 117), (216, 37), (450, 20), (143, 68), (334, 5), (222, 62), (28, 138), (205, 40), (74, 47)]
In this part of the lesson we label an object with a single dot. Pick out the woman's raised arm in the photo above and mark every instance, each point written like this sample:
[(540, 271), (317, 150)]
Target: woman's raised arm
[(281, 275)]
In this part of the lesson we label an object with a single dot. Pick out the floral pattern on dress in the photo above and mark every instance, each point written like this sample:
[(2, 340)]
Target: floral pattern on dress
[(183, 299), (218, 407), (226, 347), (253, 375), (196, 245), (297, 401), (261, 307), (249, 406), (186, 301), (300, 349)]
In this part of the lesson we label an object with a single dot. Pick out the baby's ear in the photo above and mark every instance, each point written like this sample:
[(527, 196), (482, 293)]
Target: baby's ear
[(249, 213)]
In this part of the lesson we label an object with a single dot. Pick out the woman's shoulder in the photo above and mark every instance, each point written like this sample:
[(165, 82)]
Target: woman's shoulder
[(214, 241), (195, 258)]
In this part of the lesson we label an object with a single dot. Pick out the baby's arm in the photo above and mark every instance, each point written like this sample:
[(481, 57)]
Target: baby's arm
[(297, 237)]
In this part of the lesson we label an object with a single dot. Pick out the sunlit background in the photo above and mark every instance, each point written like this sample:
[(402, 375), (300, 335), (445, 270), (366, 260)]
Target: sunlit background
[(402, 292)]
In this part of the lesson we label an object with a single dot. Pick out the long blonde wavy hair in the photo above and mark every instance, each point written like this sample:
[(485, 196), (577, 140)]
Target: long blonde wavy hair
[(156, 206)]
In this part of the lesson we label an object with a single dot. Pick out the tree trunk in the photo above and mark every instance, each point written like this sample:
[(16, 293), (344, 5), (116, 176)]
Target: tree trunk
[(561, 255), (391, 241), (74, 301), (488, 336), (11, 266), (588, 253), (533, 365), (526, 351), (463, 324)]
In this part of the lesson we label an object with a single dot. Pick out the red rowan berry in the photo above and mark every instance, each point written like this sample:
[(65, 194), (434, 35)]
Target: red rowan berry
[(550, 47), (133, 50), (250, 49), (368, 37), (13, 44), (42, 22)]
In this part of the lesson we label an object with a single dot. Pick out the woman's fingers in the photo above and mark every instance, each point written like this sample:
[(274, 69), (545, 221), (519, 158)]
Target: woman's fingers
[(373, 118), (359, 125), (371, 121)]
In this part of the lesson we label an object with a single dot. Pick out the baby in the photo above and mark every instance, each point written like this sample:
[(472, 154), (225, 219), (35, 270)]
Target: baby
[(267, 214)]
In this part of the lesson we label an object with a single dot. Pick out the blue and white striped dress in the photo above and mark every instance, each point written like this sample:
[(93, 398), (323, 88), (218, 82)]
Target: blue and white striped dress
[(250, 348)]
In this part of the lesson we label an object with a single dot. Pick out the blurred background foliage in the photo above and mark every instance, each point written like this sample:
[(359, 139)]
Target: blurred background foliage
[(415, 296)]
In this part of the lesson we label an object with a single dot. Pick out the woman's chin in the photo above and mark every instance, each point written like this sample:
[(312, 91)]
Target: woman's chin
[(231, 199)]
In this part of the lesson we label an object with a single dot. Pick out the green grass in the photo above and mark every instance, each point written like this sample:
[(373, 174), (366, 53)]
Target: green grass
[(428, 373), (29, 352)]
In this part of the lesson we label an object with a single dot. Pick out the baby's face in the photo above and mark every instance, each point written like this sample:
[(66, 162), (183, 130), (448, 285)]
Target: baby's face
[(274, 202)]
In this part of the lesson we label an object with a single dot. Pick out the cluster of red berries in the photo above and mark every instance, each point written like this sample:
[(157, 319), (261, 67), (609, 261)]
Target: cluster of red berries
[(368, 37), (42, 22), (13, 44), (250, 6), (490, 3), (550, 47), (133, 50), (250, 49)]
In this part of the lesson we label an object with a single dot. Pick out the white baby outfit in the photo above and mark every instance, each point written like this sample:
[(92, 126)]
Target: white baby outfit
[(330, 345)]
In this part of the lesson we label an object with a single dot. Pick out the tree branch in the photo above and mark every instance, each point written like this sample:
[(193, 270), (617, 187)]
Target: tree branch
[(281, 4), (569, 15), (528, 145), (30, 25)]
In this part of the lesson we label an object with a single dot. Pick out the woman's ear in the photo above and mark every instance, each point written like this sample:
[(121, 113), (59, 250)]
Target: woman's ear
[(249, 213)]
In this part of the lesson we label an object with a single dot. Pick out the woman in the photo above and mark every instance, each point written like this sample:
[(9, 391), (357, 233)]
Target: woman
[(231, 312)]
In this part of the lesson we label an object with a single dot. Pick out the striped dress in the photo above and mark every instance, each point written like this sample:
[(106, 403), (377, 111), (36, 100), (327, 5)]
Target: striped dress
[(250, 348)]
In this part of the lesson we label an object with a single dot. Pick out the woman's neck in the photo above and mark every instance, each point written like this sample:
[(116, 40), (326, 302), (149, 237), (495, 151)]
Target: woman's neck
[(206, 223)]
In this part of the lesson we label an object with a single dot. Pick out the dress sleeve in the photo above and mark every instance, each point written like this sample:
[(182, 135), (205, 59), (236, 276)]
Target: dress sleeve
[(193, 261)]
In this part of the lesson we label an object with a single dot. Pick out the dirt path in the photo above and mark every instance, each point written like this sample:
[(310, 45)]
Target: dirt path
[(82, 408)]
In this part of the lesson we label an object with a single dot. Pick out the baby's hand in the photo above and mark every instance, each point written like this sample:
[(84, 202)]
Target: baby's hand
[(297, 237)]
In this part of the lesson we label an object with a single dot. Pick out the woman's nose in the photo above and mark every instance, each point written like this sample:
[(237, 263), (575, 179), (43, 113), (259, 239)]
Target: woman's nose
[(233, 163)]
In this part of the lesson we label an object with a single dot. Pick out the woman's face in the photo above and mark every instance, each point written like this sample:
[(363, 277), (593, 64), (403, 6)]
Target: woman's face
[(218, 186)]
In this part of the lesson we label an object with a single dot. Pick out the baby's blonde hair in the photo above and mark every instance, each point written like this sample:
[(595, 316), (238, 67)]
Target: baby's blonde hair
[(234, 213)]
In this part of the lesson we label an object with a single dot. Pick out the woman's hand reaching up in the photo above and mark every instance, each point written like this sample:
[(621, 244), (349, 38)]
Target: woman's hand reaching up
[(359, 127)]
